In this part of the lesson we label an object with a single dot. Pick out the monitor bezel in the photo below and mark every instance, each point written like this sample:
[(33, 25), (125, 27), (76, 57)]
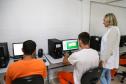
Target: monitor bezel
[(13, 48)]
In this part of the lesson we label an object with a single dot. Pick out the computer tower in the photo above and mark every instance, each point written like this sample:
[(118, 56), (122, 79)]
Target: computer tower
[(55, 48), (95, 42), (123, 41), (4, 55)]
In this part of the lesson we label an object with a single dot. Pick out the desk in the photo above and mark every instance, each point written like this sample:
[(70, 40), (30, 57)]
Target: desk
[(3, 70), (55, 63), (52, 60), (122, 50)]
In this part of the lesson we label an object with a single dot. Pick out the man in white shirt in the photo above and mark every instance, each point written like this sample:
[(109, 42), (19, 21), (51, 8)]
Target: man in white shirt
[(83, 60)]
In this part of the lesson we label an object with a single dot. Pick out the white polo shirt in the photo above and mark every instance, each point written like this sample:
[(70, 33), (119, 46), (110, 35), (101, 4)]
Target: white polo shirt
[(82, 61)]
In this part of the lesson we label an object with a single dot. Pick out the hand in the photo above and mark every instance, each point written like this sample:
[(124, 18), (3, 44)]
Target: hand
[(100, 64), (66, 54), (65, 60)]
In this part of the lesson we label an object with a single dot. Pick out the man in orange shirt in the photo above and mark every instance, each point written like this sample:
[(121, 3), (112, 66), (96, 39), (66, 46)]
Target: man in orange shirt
[(28, 66)]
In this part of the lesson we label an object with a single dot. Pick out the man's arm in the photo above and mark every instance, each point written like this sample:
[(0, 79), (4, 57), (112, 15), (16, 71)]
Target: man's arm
[(65, 60)]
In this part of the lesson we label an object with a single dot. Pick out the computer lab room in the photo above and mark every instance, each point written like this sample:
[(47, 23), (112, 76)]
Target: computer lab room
[(62, 42)]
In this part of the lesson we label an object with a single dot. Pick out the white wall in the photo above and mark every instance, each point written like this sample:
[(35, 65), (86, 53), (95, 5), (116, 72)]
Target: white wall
[(40, 20), (97, 14)]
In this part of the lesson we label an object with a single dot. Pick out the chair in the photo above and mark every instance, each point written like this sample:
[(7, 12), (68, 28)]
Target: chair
[(91, 76), (122, 62), (33, 79)]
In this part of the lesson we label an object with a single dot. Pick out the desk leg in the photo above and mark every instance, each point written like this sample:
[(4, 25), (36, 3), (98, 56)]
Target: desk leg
[(48, 75)]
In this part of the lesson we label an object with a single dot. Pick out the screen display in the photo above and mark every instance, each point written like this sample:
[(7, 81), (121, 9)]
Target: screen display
[(17, 48), (70, 45)]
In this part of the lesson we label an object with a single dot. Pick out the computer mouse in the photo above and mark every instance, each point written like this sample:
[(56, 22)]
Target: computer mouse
[(44, 60)]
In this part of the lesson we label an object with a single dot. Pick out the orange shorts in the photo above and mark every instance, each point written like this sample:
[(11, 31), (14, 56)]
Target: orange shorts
[(65, 77)]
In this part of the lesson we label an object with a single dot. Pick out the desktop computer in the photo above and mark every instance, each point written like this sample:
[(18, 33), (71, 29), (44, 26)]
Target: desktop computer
[(123, 41), (55, 48), (4, 55), (95, 42)]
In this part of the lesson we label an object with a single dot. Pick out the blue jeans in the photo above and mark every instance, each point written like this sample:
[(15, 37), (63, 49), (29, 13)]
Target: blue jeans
[(105, 76)]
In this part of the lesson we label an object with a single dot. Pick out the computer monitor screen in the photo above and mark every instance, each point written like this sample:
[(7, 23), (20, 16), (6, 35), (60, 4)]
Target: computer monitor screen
[(17, 49), (70, 45)]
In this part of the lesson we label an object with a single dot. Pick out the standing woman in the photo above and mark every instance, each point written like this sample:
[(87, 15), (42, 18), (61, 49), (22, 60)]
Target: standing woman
[(109, 48)]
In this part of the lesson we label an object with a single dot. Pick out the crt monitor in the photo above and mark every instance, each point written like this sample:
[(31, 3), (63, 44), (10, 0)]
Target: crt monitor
[(71, 44), (17, 49)]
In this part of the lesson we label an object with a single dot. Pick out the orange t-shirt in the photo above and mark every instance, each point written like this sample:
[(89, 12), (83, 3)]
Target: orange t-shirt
[(26, 67)]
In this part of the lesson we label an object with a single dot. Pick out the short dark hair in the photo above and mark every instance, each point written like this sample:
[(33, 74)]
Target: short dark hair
[(29, 47), (84, 37)]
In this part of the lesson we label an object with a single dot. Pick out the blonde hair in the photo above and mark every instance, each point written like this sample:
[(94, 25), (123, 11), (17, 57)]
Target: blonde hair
[(112, 19)]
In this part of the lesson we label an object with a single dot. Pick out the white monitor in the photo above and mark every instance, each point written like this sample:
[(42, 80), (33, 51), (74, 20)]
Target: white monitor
[(70, 44), (17, 49)]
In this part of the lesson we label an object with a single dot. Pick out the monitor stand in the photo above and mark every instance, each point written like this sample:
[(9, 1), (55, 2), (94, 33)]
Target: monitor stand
[(18, 57)]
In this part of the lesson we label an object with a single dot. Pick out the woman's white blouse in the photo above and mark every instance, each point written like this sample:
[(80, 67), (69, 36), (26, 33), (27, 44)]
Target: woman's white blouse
[(110, 48)]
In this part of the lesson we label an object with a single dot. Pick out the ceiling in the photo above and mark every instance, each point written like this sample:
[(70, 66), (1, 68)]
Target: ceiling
[(121, 3)]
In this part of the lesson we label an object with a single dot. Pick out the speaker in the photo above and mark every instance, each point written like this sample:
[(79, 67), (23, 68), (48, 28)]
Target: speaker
[(40, 52)]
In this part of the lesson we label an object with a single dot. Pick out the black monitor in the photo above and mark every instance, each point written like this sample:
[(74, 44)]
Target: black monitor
[(17, 49), (4, 54), (70, 44)]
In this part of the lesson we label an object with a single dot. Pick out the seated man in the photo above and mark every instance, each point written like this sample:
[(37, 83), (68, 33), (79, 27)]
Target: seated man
[(28, 66), (83, 60)]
